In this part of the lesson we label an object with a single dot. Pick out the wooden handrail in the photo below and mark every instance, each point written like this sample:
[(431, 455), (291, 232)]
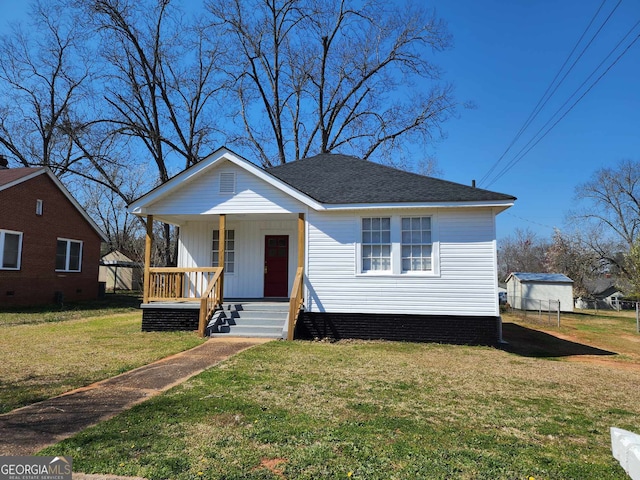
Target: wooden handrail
[(295, 302), (178, 284), (209, 300)]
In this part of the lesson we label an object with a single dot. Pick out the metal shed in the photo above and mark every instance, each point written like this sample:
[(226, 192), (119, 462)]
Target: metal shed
[(533, 291)]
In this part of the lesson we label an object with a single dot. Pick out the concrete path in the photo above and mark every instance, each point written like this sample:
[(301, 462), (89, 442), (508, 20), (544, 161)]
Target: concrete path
[(29, 429)]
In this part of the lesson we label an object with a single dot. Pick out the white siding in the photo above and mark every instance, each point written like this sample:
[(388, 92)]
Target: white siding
[(247, 281), (202, 195), (465, 282)]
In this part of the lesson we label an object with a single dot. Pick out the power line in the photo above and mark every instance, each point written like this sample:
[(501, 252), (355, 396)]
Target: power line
[(530, 221), (542, 101), (519, 157)]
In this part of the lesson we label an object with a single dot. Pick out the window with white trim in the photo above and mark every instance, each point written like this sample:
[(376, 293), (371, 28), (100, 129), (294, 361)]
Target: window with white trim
[(376, 244), (10, 250), (39, 207), (68, 255), (417, 246), (229, 250)]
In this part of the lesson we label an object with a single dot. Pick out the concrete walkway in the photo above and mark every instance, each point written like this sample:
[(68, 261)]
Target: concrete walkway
[(27, 430)]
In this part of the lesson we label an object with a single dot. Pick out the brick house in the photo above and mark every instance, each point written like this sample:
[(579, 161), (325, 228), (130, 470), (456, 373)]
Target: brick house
[(49, 247)]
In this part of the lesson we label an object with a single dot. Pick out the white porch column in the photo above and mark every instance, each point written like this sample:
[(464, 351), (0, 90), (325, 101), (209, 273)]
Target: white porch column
[(301, 243), (222, 240)]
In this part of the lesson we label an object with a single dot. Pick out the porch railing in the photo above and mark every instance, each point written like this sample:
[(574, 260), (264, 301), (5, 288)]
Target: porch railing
[(295, 302), (179, 284), (210, 300)]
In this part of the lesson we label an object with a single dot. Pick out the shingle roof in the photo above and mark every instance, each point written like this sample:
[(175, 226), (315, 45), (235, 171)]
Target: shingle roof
[(8, 175), (542, 277), (343, 179)]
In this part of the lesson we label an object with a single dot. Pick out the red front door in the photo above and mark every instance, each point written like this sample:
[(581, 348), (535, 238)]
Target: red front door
[(276, 265)]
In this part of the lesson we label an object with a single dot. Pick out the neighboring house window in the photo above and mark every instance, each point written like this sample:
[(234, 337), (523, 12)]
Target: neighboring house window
[(229, 250), (39, 204), (68, 255), (10, 250), (416, 244), (228, 182), (376, 244)]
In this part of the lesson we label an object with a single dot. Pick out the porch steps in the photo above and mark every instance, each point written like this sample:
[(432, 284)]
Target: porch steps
[(240, 318)]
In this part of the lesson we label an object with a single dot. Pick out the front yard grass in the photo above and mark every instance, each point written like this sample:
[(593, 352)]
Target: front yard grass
[(374, 410), (40, 359), (108, 305)]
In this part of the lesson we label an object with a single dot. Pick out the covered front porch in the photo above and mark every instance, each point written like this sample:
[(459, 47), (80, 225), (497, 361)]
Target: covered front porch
[(238, 256)]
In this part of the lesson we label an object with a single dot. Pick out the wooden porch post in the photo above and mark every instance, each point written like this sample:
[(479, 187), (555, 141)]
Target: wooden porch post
[(222, 240), (301, 244), (148, 244)]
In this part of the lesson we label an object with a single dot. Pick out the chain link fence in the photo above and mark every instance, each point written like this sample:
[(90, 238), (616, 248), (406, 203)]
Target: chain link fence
[(549, 311), (546, 311)]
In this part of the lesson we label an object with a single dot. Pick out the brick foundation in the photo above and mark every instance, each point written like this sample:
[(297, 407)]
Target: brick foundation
[(415, 328), (169, 319)]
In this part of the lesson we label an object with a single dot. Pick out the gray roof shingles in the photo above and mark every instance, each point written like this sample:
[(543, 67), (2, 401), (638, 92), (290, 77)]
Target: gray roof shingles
[(342, 179)]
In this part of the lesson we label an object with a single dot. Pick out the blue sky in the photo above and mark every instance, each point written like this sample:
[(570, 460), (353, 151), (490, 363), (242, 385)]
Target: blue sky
[(506, 53)]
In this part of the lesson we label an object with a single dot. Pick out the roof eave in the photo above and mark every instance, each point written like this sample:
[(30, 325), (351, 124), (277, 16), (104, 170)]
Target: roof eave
[(496, 204)]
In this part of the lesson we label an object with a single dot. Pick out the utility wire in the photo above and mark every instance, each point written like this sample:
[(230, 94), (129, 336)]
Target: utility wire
[(516, 159), (542, 101), (576, 60)]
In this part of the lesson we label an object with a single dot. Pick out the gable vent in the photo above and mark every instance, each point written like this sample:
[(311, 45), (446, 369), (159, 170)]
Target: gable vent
[(228, 182)]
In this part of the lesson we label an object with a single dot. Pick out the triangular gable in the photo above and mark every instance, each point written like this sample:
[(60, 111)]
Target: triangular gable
[(30, 173), (176, 186)]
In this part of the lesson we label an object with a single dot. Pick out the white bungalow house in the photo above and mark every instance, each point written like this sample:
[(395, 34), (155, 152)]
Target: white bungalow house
[(352, 248)]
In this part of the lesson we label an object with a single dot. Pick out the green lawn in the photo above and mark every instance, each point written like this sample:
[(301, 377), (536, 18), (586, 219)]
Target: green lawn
[(42, 358), (372, 410), (108, 305)]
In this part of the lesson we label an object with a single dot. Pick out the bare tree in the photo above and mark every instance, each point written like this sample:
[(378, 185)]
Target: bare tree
[(44, 77), (107, 207), (568, 254), (315, 76), (160, 80), (521, 252), (609, 210)]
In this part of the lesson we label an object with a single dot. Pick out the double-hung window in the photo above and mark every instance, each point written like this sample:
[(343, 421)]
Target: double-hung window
[(68, 255), (416, 244), (10, 250), (376, 244), (397, 245), (229, 250)]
